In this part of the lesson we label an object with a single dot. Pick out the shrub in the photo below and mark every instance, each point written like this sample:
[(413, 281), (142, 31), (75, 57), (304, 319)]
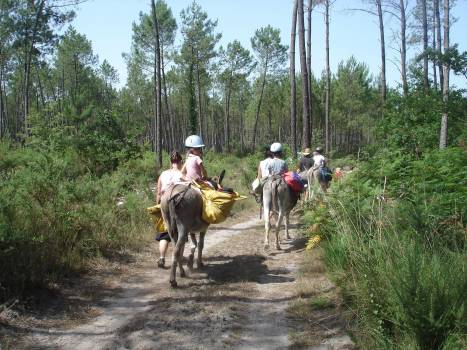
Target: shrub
[(396, 245), (55, 214)]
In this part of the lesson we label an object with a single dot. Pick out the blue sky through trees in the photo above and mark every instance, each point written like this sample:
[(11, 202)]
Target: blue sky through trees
[(108, 24)]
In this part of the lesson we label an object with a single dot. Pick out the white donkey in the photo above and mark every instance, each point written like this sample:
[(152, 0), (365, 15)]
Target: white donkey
[(279, 199), (314, 178)]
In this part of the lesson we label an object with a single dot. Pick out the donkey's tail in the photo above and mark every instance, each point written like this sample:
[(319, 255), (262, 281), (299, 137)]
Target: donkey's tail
[(275, 183), (173, 232)]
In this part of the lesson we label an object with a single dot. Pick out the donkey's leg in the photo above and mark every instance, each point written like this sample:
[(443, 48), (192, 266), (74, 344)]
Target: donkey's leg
[(180, 260), (191, 257), (176, 255), (324, 186), (278, 227), (199, 263), (309, 192), (267, 224), (287, 225)]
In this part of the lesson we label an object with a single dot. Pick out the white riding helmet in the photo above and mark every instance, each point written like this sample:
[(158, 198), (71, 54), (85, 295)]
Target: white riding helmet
[(194, 141), (276, 147)]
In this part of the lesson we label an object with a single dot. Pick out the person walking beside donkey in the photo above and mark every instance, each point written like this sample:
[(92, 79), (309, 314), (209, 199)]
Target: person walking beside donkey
[(166, 179)]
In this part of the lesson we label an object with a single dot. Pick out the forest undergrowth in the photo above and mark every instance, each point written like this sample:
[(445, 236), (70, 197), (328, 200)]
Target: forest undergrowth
[(394, 235), (57, 214)]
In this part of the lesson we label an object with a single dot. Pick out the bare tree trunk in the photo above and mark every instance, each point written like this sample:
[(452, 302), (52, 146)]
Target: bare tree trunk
[(157, 81), (167, 106), (198, 83), (308, 59), (383, 50), (443, 138), (426, 83), (328, 81), (293, 88), (2, 113), (258, 107), (28, 60), (270, 123), (242, 124), (304, 70), (433, 45), (438, 41), (226, 114), (41, 90), (405, 86)]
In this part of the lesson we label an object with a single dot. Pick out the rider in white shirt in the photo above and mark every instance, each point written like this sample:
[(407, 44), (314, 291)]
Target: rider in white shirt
[(318, 159), (263, 168)]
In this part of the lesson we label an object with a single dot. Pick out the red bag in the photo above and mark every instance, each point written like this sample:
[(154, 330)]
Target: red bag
[(294, 181)]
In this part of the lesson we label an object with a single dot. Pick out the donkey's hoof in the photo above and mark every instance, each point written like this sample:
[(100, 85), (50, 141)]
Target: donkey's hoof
[(278, 247), (288, 237), (199, 265), (266, 246), (173, 284), (182, 273)]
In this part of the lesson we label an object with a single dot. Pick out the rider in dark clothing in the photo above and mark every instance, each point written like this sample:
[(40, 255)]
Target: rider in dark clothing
[(306, 162)]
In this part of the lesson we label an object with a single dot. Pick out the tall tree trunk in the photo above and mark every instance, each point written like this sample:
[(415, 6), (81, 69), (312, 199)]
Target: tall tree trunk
[(433, 46), (191, 100), (405, 86), (198, 84), (157, 81), (166, 103), (28, 60), (2, 113), (328, 81), (308, 61), (62, 90), (293, 88), (226, 114), (426, 83), (438, 40), (443, 138), (6, 122), (242, 123), (383, 50), (41, 90), (258, 107), (270, 124), (304, 70)]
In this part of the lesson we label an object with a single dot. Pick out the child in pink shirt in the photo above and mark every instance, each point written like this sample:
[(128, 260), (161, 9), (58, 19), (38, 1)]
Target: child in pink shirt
[(193, 169)]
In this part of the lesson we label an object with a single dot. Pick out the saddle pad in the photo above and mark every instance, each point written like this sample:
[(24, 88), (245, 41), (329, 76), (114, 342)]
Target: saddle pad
[(156, 216), (216, 204)]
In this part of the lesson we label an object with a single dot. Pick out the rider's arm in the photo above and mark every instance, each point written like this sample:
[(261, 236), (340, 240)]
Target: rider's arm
[(203, 171), (260, 175), (158, 191)]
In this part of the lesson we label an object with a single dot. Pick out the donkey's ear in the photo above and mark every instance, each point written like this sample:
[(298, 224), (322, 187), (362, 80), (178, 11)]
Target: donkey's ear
[(221, 176)]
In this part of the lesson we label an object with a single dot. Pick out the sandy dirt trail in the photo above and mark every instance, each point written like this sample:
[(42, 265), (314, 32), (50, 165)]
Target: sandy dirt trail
[(238, 300)]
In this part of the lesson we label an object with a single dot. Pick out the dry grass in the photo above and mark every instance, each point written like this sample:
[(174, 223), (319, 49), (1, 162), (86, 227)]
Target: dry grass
[(316, 306)]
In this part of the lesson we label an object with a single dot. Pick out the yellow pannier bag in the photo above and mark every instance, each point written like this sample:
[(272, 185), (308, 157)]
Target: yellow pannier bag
[(216, 204), (157, 219)]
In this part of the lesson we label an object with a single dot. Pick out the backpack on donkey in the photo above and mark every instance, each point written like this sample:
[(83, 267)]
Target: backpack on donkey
[(325, 174)]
